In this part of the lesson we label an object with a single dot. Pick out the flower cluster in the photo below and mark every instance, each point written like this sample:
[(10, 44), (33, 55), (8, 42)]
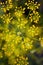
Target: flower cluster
[(16, 32), (21, 60)]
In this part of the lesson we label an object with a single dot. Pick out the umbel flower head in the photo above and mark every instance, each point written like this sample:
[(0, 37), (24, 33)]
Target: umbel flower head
[(17, 30)]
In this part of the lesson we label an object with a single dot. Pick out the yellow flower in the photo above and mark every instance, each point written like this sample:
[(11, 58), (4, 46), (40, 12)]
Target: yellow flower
[(9, 1), (26, 40), (18, 13), (18, 39), (4, 9)]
